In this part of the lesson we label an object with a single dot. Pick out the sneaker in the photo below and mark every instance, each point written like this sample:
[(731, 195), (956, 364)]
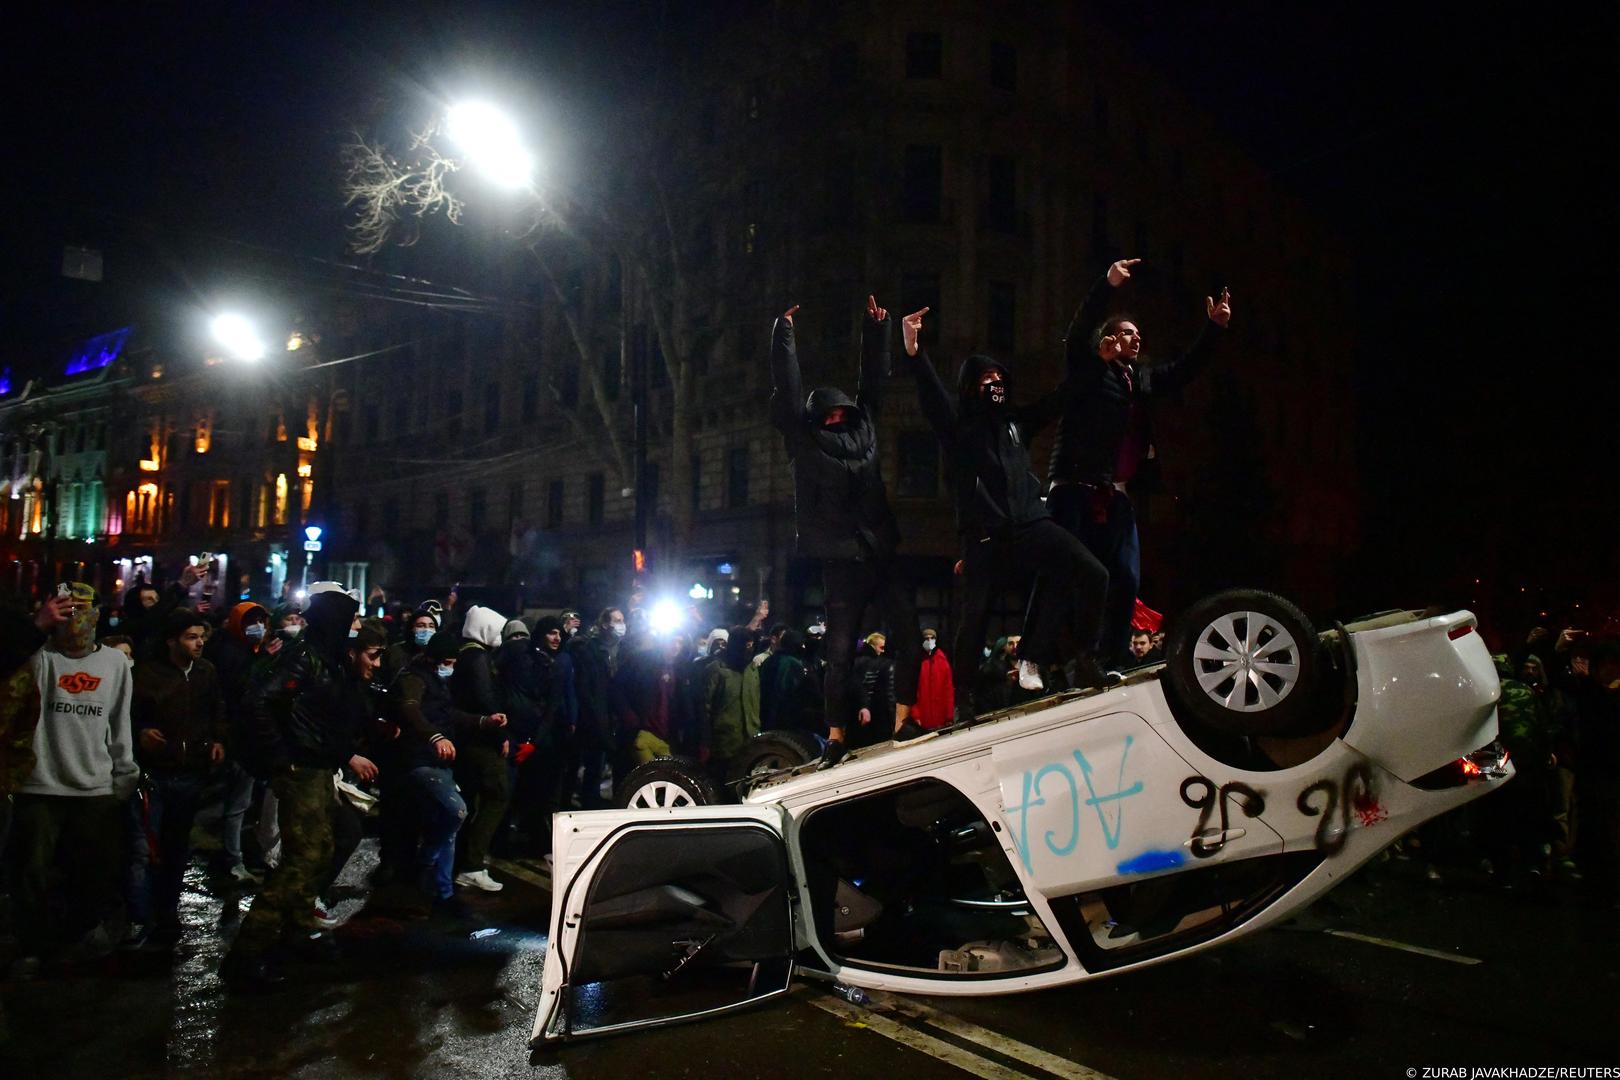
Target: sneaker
[(833, 754), (323, 918), (243, 876), (479, 879), (1029, 675), (908, 731)]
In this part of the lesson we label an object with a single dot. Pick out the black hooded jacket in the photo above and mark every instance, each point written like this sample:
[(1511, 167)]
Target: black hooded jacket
[(838, 491), (987, 446), (309, 708), (1095, 422)]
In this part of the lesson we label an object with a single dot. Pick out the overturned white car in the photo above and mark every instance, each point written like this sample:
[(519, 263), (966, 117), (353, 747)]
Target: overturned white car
[(1081, 835)]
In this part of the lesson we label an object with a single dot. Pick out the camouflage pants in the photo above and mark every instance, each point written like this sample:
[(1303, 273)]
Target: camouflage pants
[(286, 903)]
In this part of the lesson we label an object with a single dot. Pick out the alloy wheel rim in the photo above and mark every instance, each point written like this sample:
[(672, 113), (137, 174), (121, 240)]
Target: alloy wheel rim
[(1246, 661), (660, 795)]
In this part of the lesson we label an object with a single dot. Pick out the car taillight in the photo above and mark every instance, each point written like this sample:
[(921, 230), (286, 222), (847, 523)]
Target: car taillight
[(1487, 763), (1460, 631)]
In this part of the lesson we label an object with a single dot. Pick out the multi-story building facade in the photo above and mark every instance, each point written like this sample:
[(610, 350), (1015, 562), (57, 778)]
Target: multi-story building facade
[(986, 162)]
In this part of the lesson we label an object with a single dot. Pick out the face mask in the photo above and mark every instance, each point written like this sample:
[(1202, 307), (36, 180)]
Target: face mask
[(292, 631), (353, 632), (928, 644), (446, 670), (112, 620), (987, 652), (619, 628), (422, 637), (995, 393), (254, 632)]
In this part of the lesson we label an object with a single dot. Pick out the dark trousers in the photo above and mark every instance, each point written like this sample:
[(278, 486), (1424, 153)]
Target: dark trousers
[(286, 903), (170, 811), (486, 787), (1069, 576), (851, 585), (80, 837), (348, 829), (1107, 527)]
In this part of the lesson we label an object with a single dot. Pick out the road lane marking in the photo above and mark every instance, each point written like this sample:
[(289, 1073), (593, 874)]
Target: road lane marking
[(1388, 944), (511, 869), (993, 1040), (949, 1053)]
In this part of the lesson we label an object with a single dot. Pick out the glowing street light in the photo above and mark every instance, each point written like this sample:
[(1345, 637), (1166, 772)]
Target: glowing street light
[(491, 142), (238, 337)]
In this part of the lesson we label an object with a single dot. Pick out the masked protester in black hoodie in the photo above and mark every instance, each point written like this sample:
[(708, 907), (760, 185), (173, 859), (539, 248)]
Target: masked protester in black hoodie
[(307, 714), (843, 515), (1005, 529)]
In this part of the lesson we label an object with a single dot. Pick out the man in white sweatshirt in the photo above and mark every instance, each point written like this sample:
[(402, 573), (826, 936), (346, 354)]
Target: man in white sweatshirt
[(69, 811)]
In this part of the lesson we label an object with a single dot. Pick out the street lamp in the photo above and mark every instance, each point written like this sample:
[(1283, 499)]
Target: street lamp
[(490, 140), (238, 337)]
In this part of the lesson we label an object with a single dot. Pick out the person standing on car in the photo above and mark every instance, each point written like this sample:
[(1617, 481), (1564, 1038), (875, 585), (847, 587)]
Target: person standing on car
[(842, 512), (1102, 437), (1003, 522)]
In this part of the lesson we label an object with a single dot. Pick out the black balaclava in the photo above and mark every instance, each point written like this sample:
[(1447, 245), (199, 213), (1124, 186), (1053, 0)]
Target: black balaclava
[(976, 398), (327, 620)]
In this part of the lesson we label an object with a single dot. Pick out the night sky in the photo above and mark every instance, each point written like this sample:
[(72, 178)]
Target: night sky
[(1460, 153)]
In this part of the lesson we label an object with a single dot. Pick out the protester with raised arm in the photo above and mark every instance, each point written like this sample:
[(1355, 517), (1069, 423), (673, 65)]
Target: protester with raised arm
[(844, 518), (1102, 436), (1005, 529)]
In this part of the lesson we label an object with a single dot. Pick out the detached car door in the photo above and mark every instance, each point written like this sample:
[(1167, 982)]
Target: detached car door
[(660, 916)]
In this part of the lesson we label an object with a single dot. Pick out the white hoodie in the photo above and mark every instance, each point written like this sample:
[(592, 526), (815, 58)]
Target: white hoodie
[(483, 626)]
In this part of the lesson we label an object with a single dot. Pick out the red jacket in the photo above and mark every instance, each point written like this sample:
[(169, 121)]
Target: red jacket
[(936, 692)]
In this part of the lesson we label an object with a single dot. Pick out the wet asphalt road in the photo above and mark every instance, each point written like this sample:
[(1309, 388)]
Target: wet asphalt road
[(1294, 1001)]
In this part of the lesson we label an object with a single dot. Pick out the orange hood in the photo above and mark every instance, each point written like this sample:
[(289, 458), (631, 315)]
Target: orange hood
[(238, 616)]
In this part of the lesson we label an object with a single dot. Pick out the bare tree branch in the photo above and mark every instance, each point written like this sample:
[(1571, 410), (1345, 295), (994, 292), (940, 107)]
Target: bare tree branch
[(384, 191)]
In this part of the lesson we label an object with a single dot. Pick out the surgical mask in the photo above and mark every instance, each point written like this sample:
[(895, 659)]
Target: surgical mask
[(353, 632), (292, 631), (112, 621), (987, 652), (928, 644), (446, 670), (254, 631), (619, 628), (422, 637)]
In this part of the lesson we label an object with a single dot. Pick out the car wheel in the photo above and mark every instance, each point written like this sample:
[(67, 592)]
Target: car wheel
[(665, 783), (772, 752), (1247, 662)]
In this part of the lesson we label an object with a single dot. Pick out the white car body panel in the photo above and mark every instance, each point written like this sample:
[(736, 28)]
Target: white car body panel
[(1093, 790), (1423, 698)]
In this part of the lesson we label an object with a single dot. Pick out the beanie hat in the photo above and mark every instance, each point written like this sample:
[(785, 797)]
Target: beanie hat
[(546, 624), (515, 628), (441, 646)]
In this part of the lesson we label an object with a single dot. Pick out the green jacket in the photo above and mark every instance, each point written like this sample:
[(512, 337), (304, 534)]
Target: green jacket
[(733, 708)]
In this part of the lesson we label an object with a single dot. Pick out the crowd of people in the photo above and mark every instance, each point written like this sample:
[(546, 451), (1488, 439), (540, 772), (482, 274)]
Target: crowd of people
[(454, 733)]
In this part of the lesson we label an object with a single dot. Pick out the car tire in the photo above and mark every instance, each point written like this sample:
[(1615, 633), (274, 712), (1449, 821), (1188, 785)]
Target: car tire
[(665, 783), (770, 752), (1247, 662)]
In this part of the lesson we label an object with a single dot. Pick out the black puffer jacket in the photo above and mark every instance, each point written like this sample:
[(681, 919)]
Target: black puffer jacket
[(838, 491), (308, 707), (987, 447), (1094, 425)]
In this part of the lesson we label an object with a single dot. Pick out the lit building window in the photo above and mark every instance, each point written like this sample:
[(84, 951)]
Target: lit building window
[(281, 499)]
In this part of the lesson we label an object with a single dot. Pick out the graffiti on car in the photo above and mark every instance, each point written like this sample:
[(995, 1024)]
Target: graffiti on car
[(1351, 797), (1207, 799), (1112, 824)]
